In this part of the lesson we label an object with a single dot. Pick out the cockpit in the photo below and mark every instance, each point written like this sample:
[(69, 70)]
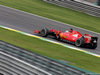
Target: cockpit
[(69, 30)]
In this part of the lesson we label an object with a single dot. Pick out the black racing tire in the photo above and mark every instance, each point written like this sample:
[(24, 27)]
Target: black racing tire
[(93, 46), (79, 42), (44, 32)]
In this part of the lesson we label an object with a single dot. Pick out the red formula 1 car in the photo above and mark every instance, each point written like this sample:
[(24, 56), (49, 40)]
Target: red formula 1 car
[(71, 36)]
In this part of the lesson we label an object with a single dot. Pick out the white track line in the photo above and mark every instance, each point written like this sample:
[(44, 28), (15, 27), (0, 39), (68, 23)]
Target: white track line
[(41, 38)]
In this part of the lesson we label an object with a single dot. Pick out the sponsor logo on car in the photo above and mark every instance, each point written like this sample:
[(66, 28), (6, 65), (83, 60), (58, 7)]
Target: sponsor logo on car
[(65, 37)]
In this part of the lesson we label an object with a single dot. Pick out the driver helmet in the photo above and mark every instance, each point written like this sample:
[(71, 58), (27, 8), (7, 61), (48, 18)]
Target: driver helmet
[(71, 30), (66, 31)]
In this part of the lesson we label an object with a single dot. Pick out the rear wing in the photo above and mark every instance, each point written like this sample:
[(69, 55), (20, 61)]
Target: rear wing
[(94, 39), (90, 39)]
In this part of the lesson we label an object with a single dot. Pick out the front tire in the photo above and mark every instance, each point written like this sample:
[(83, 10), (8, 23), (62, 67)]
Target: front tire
[(79, 42), (44, 32)]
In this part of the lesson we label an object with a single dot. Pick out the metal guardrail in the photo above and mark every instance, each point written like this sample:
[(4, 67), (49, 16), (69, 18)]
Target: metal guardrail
[(74, 5), (10, 65), (49, 65)]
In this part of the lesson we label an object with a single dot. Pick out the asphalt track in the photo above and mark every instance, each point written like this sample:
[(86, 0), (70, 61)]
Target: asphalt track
[(27, 23)]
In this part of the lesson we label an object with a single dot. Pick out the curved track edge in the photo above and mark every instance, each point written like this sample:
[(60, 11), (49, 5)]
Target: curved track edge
[(41, 38)]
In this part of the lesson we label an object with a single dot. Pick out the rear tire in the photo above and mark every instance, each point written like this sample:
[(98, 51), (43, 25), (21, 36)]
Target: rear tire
[(79, 42), (44, 32)]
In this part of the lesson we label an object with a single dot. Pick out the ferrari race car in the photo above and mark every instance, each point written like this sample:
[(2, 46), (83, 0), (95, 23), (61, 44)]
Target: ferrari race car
[(70, 36)]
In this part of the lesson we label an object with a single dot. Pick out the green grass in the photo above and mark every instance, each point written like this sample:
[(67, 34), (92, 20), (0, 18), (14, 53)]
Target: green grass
[(51, 50), (41, 8), (55, 12)]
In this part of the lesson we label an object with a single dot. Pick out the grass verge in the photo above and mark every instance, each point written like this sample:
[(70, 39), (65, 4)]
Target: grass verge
[(51, 50), (55, 12)]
